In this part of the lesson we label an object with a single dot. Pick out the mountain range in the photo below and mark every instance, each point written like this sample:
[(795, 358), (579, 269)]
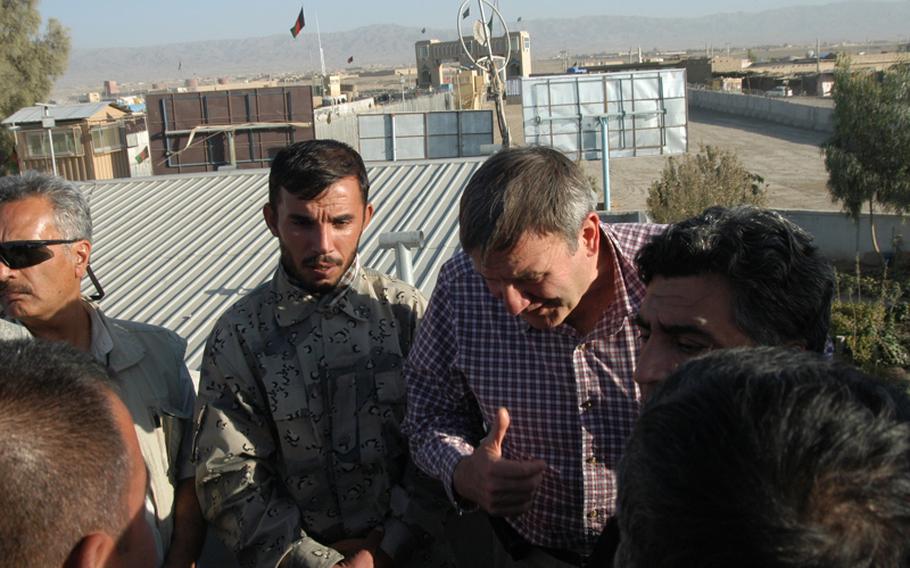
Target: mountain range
[(393, 45)]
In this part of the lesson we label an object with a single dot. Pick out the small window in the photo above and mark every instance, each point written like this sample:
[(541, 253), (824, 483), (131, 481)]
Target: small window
[(66, 143), (107, 138), (527, 45)]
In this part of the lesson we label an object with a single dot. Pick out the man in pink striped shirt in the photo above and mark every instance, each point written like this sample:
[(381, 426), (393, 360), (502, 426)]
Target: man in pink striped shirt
[(520, 390)]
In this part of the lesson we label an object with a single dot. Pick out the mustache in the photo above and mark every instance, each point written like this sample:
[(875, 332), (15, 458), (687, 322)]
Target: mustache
[(7, 287), (321, 259)]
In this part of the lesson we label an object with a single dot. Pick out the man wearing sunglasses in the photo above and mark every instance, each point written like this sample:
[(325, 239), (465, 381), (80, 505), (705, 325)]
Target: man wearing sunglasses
[(45, 248)]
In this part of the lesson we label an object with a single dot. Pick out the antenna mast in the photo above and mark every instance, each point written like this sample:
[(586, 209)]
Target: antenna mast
[(483, 36)]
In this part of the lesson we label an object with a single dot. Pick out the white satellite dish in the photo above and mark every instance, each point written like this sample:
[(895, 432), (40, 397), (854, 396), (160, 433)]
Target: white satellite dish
[(481, 33)]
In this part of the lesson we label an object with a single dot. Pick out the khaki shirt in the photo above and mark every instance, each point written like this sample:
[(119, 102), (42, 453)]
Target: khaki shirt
[(298, 442)]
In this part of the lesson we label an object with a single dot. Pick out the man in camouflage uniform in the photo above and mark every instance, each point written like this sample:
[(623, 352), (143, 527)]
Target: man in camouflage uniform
[(300, 458)]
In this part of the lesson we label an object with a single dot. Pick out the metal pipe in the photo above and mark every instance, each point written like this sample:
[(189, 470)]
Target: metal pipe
[(232, 150), (402, 242), (50, 138), (605, 159)]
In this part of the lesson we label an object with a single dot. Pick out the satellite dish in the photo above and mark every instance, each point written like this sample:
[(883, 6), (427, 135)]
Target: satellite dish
[(481, 33)]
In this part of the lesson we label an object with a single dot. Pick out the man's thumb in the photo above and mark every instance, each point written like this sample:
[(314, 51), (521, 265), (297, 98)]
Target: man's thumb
[(498, 431)]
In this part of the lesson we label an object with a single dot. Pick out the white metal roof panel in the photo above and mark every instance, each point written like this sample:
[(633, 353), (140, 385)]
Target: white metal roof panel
[(58, 112), (177, 251)]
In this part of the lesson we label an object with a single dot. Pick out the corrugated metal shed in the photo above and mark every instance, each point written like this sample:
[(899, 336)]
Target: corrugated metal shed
[(176, 251), (59, 112)]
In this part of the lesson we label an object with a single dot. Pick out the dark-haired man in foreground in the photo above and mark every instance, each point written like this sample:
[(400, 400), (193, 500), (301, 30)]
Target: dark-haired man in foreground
[(301, 462), (770, 458), (78, 505), (726, 278), (729, 278)]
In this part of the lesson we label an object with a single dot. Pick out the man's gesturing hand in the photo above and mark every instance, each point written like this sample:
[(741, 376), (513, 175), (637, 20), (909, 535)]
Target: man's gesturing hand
[(501, 487)]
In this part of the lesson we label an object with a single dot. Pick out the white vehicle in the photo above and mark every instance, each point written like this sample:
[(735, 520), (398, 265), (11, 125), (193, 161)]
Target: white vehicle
[(780, 91)]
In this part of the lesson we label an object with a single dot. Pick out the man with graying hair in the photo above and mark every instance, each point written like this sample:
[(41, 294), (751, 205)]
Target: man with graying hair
[(520, 390), (45, 247), (65, 503)]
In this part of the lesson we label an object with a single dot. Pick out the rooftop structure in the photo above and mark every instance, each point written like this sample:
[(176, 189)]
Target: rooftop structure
[(81, 141), (229, 129)]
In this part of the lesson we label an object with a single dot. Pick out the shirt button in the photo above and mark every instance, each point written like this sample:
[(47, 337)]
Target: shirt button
[(586, 405), (591, 460), (593, 514), (582, 347)]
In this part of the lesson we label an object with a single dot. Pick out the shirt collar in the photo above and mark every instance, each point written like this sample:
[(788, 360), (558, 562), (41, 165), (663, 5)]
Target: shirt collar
[(293, 304), (102, 342)]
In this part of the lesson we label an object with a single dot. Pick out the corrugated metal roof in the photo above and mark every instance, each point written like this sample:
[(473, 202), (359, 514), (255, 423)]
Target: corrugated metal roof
[(59, 112), (177, 251)]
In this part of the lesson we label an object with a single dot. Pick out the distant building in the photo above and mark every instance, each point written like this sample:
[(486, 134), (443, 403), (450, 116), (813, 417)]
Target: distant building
[(91, 141), (111, 89), (704, 70), (226, 129), (432, 54)]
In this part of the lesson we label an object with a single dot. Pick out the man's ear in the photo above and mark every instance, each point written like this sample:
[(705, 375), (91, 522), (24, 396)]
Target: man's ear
[(367, 215), (82, 252), (93, 551), (271, 219), (589, 237)]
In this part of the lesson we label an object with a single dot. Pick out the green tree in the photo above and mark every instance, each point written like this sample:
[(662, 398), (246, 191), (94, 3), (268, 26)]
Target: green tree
[(868, 156), (689, 185), (30, 61)]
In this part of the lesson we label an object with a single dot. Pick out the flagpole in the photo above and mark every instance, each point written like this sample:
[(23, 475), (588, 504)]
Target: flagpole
[(319, 39)]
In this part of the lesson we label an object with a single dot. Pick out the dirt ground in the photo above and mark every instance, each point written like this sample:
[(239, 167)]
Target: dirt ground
[(788, 158)]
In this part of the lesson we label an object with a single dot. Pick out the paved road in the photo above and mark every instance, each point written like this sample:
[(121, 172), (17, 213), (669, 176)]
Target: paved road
[(788, 158)]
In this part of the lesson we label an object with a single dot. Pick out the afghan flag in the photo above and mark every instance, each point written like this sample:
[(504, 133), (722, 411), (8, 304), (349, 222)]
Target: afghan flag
[(142, 156), (298, 25)]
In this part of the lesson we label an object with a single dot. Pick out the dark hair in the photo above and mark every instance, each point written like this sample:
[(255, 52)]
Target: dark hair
[(516, 191), (306, 169), (63, 461), (768, 457), (782, 286)]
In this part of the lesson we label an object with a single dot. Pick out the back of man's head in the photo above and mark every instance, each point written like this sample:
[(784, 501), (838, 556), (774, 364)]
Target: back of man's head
[(530, 190), (63, 462), (768, 458), (782, 286)]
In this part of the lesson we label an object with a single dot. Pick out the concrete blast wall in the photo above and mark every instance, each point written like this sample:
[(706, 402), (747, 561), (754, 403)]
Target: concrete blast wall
[(837, 236), (780, 111)]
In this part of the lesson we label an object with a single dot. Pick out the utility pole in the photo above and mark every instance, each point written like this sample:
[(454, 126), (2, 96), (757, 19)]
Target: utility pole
[(48, 122)]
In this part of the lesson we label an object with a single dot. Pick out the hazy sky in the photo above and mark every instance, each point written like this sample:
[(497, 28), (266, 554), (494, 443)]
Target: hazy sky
[(110, 23)]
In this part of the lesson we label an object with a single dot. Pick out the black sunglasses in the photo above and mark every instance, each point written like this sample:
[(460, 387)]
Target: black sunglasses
[(23, 254)]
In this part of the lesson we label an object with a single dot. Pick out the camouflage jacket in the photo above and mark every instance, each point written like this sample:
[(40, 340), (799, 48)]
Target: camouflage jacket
[(298, 442)]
